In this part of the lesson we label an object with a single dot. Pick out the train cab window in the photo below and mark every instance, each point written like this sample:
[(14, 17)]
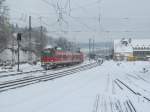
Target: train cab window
[(48, 52)]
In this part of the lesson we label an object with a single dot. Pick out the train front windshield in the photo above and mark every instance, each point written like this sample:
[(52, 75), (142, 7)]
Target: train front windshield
[(48, 52)]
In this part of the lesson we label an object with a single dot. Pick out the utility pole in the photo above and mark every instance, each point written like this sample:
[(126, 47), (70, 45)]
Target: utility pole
[(18, 41), (30, 50), (93, 54), (93, 45), (41, 30), (41, 43), (89, 49), (13, 51)]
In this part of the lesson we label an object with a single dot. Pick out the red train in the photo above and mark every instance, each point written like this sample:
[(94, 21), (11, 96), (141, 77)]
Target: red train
[(53, 57)]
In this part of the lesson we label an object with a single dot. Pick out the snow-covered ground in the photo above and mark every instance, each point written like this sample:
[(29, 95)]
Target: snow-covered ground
[(8, 74), (23, 67), (28, 67), (85, 91)]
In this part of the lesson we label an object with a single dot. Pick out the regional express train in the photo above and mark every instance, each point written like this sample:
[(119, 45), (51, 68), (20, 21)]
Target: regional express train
[(53, 57)]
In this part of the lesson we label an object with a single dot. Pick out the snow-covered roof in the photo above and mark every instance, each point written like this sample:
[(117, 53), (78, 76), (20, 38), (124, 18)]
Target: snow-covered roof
[(141, 43), (48, 46), (119, 47)]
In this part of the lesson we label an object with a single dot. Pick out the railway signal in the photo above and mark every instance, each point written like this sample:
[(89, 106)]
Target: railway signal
[(19, 37)]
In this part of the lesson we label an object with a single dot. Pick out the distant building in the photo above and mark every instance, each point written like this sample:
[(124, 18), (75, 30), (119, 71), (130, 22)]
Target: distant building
[(131, 49), (122, 49), (141, 48)]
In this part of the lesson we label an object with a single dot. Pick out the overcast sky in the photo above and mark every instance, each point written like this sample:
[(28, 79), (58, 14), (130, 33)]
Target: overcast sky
[(83, 19)]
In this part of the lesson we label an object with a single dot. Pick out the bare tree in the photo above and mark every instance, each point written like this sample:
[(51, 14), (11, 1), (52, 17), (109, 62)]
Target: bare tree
[(4, 25), (65, 44)]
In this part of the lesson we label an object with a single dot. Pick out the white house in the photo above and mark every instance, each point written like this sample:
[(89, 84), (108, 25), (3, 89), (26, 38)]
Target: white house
[(122, 49)]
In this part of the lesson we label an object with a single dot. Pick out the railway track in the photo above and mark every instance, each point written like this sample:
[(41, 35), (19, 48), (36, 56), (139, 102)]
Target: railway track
[(21, 82), (20, 73), (120, 83), (34, 71), (104, 103)]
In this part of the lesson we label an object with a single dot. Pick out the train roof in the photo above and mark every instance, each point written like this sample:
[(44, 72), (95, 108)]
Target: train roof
[(48, 47)]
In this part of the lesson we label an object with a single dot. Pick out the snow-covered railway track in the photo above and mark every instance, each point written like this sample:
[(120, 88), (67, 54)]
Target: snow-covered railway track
[(113, 104), (119, 106), (138, 77), (129, 106), (12, 84), (119, 83), (3, 71), (20, 73), (34, 71)]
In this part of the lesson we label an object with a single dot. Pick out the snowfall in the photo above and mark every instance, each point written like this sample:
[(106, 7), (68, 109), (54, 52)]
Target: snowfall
[(92, 90)]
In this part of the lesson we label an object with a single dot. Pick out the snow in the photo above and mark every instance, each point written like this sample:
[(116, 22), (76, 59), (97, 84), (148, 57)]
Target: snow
[(78, 92)]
